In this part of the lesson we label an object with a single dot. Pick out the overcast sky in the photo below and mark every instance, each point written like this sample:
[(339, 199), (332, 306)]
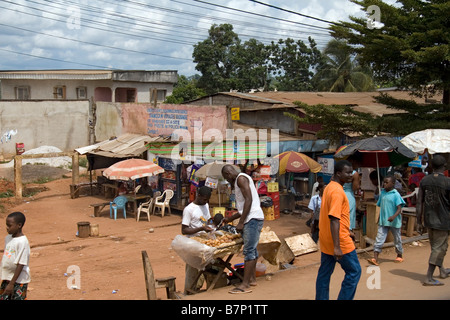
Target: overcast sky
[(147, 34)]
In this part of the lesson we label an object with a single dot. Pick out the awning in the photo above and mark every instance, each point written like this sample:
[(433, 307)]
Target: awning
[(106, 153)]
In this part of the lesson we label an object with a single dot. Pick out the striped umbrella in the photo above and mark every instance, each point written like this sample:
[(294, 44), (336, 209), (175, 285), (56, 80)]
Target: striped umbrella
[(291, 161), (132, 169)]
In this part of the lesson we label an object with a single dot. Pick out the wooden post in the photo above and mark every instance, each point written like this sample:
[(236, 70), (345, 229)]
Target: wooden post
[(75, 168), (18, 176), (149, 277)]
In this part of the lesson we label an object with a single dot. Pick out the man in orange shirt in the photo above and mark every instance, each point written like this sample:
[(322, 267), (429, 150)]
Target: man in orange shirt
[(335, 237)]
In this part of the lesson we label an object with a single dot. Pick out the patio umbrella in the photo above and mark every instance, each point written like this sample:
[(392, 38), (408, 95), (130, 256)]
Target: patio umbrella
[(431, 140), (291, 161), (132, 169), (377, 152), (213, 170)]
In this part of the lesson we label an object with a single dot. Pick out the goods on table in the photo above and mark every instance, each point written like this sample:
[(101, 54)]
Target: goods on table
[(218, 241)]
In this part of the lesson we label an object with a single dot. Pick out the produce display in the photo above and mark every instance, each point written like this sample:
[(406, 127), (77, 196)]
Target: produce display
[(218, 240)]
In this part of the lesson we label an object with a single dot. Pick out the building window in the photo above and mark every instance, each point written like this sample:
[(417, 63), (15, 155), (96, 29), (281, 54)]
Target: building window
[(22, 92), (81, 93), (160, 94), (59, 92)]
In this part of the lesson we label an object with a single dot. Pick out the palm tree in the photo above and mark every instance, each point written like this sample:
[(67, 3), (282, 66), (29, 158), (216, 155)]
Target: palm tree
[(340, 71)]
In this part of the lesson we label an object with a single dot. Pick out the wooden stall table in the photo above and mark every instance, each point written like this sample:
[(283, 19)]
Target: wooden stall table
[(409, 213), (109, 189), (227, 253), (372, 217)]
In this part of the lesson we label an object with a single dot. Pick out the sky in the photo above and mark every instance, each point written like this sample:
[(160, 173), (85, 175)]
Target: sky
[(148, 34)]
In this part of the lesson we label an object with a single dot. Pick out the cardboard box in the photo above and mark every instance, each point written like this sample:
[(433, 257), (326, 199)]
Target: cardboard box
[(215, 197)]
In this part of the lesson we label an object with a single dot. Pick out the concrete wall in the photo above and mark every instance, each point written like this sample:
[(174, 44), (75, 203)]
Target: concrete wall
[(114, 119), (62, 124), (43, 89)]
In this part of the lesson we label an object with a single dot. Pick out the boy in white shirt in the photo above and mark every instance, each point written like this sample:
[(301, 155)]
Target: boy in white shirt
[(15, 273)]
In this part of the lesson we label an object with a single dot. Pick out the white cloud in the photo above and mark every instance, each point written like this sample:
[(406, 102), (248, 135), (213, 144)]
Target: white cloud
[(166, 28)]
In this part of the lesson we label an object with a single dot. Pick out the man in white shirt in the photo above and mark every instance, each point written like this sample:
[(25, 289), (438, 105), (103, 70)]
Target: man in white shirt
[(251, 219), (195, 219)]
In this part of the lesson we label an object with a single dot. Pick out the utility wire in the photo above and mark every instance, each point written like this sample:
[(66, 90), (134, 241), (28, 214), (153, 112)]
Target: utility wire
[(261, 15), (54, 59), (293, 12), (94, 44)]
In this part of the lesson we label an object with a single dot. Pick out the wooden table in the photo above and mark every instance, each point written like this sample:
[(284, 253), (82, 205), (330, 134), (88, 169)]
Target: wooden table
[(372, 217), (110, 188), (221, 265), (132, 199)]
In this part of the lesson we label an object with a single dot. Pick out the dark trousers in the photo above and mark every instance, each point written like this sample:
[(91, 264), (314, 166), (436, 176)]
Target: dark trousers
[(350, 264)]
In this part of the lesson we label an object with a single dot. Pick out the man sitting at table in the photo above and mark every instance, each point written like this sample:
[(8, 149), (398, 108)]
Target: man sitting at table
[(195, 219)]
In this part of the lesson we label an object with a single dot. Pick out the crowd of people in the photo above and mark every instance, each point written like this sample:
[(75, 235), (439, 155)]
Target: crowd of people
[(332, 223)]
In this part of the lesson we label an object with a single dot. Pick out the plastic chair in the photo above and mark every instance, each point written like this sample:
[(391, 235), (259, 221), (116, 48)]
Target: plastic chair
[(147, 206), (119, 202), (167, 195)]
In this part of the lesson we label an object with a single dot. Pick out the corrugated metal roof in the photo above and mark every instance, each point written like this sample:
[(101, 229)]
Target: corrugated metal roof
[(126, 145)]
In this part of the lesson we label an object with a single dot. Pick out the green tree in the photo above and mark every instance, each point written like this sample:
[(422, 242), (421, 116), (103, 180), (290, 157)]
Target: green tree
[(411, 47), (340, 71), (292, 63), (185, 90), (215, 58)]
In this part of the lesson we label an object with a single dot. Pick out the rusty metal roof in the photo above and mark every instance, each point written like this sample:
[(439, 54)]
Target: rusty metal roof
[(124, 146)]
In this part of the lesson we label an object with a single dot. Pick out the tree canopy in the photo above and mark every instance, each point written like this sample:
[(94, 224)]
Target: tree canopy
[(411, 48)]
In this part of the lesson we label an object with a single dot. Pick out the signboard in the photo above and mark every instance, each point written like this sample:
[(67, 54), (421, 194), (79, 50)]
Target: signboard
[(235, 114)]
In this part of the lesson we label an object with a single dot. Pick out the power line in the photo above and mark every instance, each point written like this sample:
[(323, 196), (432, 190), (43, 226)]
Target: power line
[(94, 44), (293, 12), (261, 15), (54, 59)]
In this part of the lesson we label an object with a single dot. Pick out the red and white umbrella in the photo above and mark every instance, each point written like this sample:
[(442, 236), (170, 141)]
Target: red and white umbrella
[(132, 169)]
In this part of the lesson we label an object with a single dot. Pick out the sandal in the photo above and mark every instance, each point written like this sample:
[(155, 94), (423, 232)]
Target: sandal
[(433, 283), (239, 290), (373, 261), (398, 260)]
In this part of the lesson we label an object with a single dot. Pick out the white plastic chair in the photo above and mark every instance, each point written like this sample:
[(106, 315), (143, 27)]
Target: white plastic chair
[(162, 205), (147, 207)]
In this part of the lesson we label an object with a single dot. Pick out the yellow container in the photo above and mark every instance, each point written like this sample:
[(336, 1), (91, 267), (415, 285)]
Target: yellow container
[(272, 187), (269, 213), (220, 210)]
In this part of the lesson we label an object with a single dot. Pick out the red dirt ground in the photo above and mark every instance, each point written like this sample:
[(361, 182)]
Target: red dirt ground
[(111, 264)]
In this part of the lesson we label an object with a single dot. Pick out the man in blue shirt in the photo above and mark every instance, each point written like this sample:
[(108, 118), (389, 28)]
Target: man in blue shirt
[(390, 203)]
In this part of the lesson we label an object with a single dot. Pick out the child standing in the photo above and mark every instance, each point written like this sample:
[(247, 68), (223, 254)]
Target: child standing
[(314, 205), (390, 203), (15, 273)]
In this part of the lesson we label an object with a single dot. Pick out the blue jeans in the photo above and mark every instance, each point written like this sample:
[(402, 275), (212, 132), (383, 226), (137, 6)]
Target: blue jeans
[(350, 264), (382, 235), (250, 235)]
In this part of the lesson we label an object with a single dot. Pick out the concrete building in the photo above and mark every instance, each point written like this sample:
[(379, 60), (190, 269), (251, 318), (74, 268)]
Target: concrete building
[(101, 85)]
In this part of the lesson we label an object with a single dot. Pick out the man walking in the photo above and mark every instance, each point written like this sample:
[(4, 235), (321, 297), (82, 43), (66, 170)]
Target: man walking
[(251, 219), (336, 243), (433, 205)]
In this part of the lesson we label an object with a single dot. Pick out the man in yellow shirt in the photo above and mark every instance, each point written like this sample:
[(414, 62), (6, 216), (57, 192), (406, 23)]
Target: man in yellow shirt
[(335, 237)]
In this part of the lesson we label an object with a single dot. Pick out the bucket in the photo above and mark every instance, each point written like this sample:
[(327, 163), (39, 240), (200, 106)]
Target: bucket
[(260, 269), (84, 229), (94, 230)]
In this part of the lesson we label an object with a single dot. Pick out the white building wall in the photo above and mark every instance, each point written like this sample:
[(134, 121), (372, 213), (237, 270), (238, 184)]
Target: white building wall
[(43, 89), (62, 124)]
